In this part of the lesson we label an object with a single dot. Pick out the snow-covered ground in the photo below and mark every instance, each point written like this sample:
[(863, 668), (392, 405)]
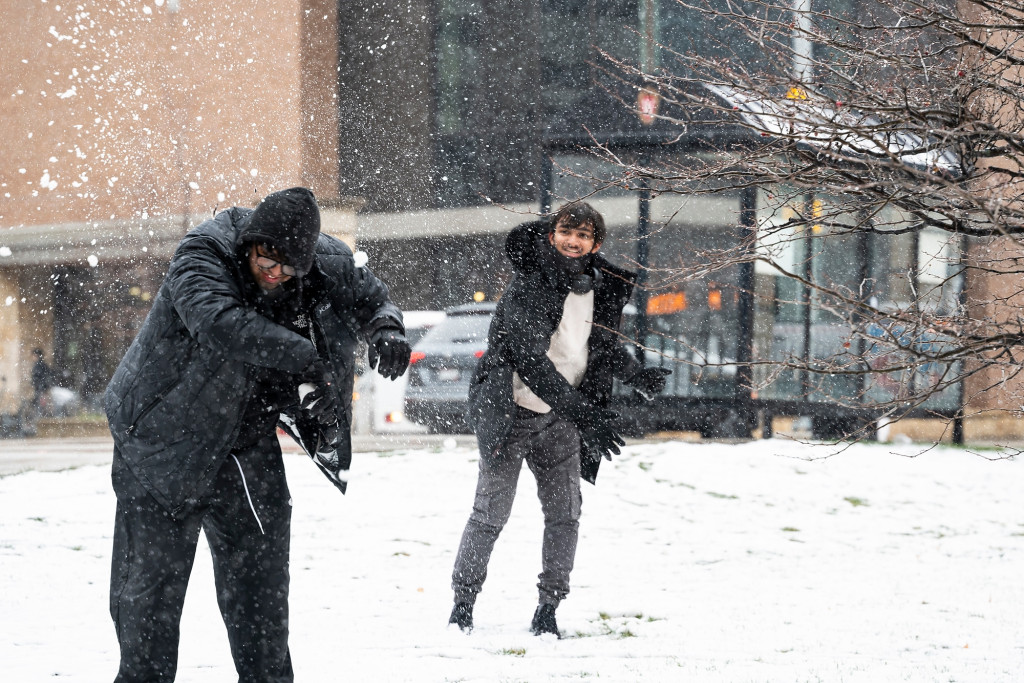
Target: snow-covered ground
[(697, 562)]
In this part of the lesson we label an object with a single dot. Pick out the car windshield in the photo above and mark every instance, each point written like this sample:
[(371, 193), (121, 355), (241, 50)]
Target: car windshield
[(459, 329)]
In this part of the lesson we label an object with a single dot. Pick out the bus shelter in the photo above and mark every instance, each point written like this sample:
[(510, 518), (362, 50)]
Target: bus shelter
[(716, 330)]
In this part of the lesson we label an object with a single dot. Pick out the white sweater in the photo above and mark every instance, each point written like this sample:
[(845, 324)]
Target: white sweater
[(567, 350)]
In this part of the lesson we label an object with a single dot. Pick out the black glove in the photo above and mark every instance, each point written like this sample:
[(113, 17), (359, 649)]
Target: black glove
[(597, 429), (649, 382), (389, 352), (317, 395)]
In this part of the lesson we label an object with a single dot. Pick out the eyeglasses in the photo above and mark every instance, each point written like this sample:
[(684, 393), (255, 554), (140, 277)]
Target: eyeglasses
[(267, 263)]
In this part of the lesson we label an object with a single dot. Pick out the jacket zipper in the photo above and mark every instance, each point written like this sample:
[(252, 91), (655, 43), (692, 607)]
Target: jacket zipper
[(146, 411)]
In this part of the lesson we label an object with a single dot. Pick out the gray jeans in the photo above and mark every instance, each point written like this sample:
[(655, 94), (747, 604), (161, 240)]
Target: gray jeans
[(551, 448)]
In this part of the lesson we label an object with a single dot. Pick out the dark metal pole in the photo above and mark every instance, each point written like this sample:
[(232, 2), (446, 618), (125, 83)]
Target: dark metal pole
[(865, 254), (805, 294), (958, 417), (547, 179), (643, 230), (745, 304)]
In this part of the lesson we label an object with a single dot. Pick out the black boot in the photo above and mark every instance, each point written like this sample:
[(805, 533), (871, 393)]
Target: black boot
[(544, 621), (462, 616)]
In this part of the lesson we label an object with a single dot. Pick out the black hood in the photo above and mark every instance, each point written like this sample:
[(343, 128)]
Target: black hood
[(288, 221)]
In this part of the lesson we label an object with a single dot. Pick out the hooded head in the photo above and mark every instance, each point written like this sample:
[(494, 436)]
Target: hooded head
[(287, 221)]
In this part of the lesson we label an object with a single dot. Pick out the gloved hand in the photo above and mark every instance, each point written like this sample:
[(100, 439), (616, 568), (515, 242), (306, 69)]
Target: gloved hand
[(317, 393), (649, 382), (597, 429), (389, 352)]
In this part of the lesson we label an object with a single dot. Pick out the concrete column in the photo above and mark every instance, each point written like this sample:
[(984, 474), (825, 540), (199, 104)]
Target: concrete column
[(10, 342)]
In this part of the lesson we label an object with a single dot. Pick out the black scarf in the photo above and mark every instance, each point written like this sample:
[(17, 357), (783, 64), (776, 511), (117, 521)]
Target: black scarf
[(583, 277)]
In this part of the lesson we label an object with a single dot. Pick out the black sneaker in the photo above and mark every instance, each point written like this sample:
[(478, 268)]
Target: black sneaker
[(462, 616), (544, 621)]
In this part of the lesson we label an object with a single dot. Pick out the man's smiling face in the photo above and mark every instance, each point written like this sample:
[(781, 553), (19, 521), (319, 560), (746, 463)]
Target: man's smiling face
[(266, 267), (574, 242)]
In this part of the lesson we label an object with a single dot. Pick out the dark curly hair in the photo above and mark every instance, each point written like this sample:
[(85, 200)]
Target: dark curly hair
[(576, 214)]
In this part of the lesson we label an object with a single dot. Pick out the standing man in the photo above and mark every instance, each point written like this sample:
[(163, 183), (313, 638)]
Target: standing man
[(540, 393), (255, 303), (42, 378)]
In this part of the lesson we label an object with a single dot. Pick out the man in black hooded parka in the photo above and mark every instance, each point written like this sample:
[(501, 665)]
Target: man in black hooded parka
[(255, 304), (540, 394)]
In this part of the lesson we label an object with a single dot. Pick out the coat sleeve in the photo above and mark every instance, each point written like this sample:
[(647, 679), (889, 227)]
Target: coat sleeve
[(357, 290), (209, 303), (373, 305)]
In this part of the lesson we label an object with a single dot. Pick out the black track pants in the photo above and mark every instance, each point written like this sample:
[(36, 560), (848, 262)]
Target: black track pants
[(153, 556)]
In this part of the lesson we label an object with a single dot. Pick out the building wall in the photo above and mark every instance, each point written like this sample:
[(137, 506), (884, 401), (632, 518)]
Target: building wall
[(995, 396), (138, 120)]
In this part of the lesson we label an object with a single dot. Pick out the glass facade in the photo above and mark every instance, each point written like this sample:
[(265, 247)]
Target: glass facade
[(696, 325), (512, 84), (893, 273)]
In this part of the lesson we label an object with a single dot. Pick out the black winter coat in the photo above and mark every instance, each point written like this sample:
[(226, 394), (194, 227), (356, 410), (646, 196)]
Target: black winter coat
[(176, 401), (520, 333)]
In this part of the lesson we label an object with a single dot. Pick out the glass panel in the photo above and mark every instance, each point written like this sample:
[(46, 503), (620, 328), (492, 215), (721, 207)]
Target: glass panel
[(836, 259), (933, 257), (694, 321), (938, 255), (686, 30), (566, 35), (780, 302)]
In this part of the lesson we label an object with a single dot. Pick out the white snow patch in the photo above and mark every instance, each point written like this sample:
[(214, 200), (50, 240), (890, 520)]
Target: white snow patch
[(47, 182), (697, 562)]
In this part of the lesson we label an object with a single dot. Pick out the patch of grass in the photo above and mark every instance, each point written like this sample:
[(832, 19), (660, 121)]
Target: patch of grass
[(513, 651), (604, 616), (37, 519), (723, 496), (620, 630), (78, 547), (791, 529), (676, 483), (855, 501), (645, 466)]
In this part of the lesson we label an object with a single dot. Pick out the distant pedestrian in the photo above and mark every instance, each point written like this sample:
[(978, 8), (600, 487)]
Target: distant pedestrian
[(256, 304), (540, 393), (42, 378)]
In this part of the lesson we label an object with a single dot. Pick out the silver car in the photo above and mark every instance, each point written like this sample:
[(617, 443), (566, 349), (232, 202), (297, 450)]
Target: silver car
[(441, 366)]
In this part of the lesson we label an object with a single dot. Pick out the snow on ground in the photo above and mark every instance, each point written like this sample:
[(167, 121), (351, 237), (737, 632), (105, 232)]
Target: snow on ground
[(697, 562)]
